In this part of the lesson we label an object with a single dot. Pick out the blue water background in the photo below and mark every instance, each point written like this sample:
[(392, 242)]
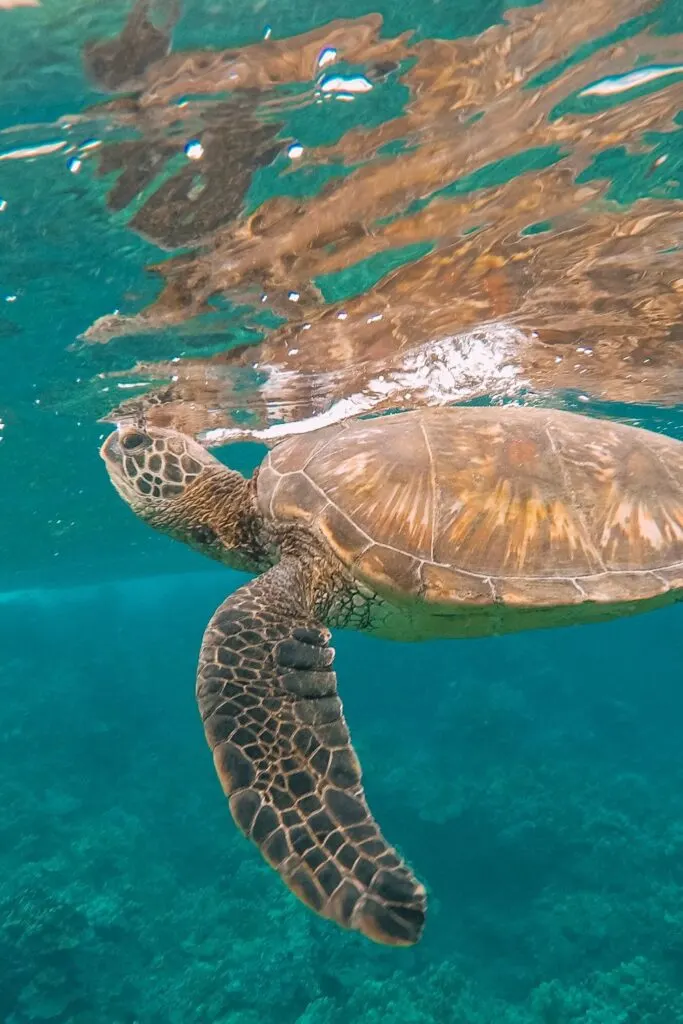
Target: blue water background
[(534, 782)]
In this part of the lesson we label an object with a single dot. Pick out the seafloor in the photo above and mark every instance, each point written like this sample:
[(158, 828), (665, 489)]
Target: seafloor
[(534, 782)]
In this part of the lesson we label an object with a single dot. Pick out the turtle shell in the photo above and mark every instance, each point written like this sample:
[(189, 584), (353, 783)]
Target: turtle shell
[(477, 506)]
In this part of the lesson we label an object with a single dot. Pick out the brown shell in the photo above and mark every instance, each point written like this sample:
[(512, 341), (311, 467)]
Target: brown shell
[(480, 505)]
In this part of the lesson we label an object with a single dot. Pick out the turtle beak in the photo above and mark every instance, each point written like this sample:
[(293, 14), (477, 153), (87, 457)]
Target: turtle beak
[(112, 456), (111, 449)]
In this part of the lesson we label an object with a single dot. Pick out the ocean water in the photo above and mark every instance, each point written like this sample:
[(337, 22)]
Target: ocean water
[(427, 203)]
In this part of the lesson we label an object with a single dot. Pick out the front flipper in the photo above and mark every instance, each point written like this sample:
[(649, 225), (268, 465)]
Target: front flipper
[(268, 699)]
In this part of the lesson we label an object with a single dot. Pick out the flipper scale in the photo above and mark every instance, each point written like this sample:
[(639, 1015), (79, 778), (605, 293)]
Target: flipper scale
[(267, 694)]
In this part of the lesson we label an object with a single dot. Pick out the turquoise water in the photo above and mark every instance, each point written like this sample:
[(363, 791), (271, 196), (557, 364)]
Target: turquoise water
[(533, 781)]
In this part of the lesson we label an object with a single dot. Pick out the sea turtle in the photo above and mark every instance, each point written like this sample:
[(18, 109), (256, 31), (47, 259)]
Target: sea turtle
[(446, 522)]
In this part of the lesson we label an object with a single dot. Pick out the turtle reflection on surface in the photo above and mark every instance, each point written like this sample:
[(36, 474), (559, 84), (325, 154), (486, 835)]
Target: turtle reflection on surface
[(586, 291), (192, 202)]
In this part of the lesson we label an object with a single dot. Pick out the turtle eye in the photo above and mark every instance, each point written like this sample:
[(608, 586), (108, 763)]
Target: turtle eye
[(134, 440)]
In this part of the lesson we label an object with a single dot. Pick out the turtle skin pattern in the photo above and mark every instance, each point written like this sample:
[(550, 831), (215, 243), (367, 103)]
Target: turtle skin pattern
[(267, 695)]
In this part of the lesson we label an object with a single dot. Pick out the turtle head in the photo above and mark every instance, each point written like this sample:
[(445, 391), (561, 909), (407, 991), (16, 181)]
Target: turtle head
[(171, 482)]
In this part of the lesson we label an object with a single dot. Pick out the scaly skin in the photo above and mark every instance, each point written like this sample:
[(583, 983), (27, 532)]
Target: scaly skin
[(176, 486), (266, 690)]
